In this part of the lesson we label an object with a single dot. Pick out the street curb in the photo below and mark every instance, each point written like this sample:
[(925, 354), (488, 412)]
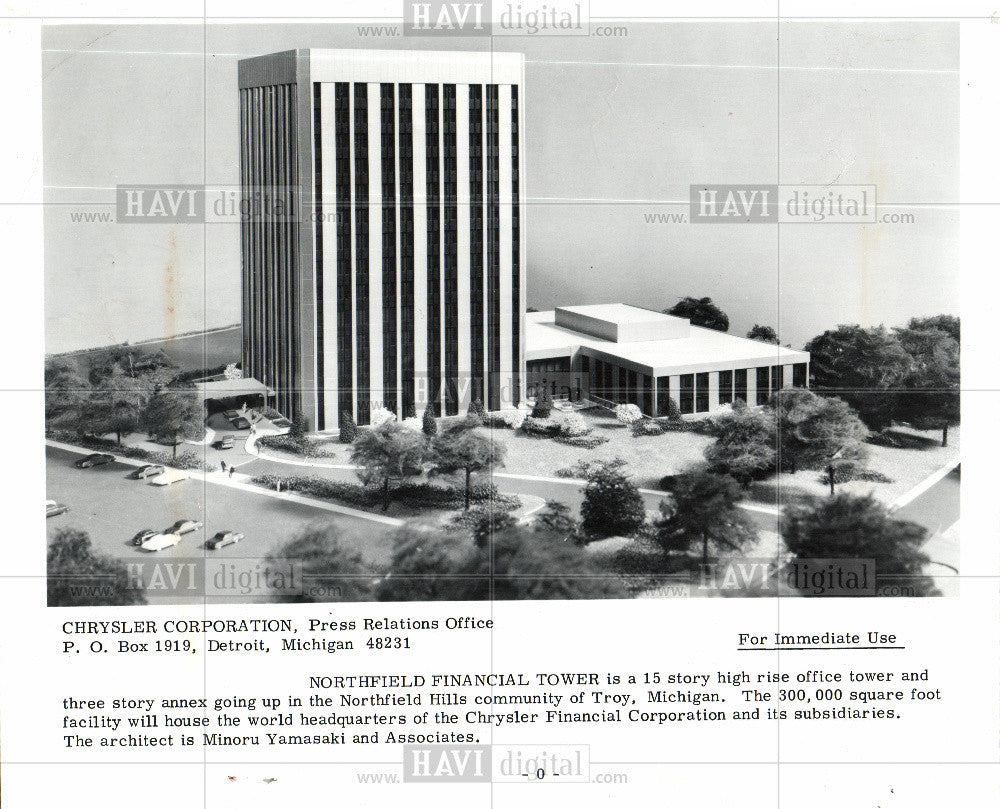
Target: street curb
[(924, 485)]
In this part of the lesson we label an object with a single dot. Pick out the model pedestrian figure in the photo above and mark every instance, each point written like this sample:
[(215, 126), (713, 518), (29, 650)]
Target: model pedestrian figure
[(223, 463), (231, 470)]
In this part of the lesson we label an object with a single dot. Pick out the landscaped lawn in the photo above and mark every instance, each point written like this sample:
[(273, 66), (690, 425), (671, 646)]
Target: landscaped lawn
[(906, 467), (649, 457)]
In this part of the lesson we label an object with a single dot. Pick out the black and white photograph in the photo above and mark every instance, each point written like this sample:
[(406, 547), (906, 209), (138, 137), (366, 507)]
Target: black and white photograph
[(500, 404), (341, 315)]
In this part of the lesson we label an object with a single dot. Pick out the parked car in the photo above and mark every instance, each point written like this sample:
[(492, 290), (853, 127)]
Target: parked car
[(182, 527), (167, 477), (157, 542), (149, 470), (95, 459), (240, 423), (143, 535), (223, 538), (54, 509), (224, 443)]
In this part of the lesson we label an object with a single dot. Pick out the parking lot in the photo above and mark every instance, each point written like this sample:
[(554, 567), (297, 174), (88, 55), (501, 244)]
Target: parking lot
[(112, 507)]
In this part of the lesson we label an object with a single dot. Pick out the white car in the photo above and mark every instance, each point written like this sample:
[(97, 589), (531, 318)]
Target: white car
[(168, 477), (158, 542)]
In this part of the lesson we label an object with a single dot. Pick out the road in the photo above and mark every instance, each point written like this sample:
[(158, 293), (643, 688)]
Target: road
[(112, 508)]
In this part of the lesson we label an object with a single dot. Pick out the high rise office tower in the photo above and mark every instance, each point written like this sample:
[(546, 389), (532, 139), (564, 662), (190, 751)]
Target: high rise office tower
[(384, 252)]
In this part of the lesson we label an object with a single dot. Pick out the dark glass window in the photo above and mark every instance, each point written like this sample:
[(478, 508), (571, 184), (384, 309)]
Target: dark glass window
[(701, 393), (777, 378), (799, 375), (763, 384), (740, 384), (318, 228), (363, 391), (406, 284), (476, 240), (345, 295), (433, 156), (631, 388), (726, 387), (515, 225), (686, 393), (646, 394), (493, 244), (450, 190), (389, 281), (662, 395)]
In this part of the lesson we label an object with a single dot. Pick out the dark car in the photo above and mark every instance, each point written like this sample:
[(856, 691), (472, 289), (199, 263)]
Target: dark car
[(240, 423), (182, 527), (150, 470), (223, 538), (224, 443), (143, 535), (97, 459)]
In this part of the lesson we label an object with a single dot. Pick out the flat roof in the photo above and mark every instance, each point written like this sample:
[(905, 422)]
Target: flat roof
[(620, 313), (702, 350)]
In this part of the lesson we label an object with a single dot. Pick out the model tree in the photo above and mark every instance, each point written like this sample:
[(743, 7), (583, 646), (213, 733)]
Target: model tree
[(520, 563), (851, 527), (764, 334), (611, 502), (814, 429), (338, 570), (386, 455), (174, 415), (79, 577), (66, 393), (745, 443), (429, 565), (862, 366), (459, 447), (930, 397), (348, 428), (543, 402), (706, 513), (477, 410), (949, 324), (429, 424), (701, 312)]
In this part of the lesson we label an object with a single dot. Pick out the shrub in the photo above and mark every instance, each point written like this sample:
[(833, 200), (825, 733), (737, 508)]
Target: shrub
[(348, 428), (415, 495), (188, 459), (574, 426), (476, 409), (646, 427), (583, 441), (673, 410), (845, 472), (380, 416), (579, 470), (296, 446), (540, 428), (430, 428), (611, 502), (271, 414), (628, 414), (504, 419), (543, 403)]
